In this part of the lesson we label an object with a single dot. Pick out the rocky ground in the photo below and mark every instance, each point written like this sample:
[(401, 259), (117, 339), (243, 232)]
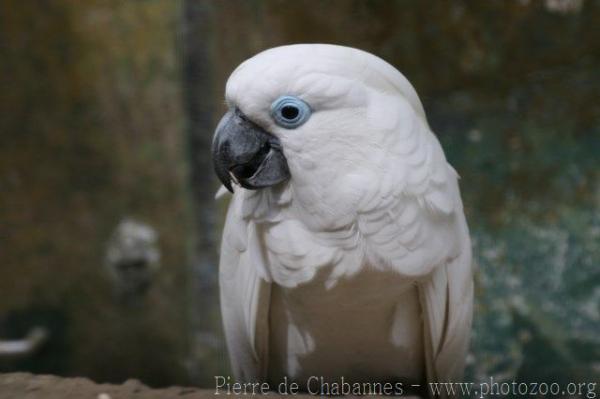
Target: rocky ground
[(29, 386)]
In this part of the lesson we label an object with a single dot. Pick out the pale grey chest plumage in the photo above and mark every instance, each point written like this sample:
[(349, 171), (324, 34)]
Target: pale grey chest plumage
[(368, 328)]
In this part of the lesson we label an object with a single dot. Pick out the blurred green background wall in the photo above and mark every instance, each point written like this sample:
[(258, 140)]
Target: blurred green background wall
[(90, 132), (107, 110)]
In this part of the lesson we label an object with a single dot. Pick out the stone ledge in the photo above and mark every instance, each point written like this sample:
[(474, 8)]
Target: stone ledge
[(30, 386), (34, 386)]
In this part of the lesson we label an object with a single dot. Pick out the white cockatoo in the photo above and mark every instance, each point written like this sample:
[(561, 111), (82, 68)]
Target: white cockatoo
[(345, 251)]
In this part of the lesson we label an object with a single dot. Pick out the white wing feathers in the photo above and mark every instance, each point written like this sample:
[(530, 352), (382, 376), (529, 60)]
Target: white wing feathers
[(447, 303), (245, 296)]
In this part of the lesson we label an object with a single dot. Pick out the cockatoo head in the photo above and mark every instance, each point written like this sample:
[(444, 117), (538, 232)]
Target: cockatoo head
[(303, 113)]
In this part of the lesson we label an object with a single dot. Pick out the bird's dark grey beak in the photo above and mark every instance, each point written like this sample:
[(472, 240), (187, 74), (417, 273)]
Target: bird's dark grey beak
[(242, 151)]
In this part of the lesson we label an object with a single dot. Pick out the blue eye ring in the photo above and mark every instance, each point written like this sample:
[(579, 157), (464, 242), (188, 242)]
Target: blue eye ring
[(290, 112)]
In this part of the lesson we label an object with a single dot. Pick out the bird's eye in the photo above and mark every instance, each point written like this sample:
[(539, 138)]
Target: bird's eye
[(290, 112)]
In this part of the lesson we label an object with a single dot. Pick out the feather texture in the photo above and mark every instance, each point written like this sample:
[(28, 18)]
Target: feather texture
[(370, 190)]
